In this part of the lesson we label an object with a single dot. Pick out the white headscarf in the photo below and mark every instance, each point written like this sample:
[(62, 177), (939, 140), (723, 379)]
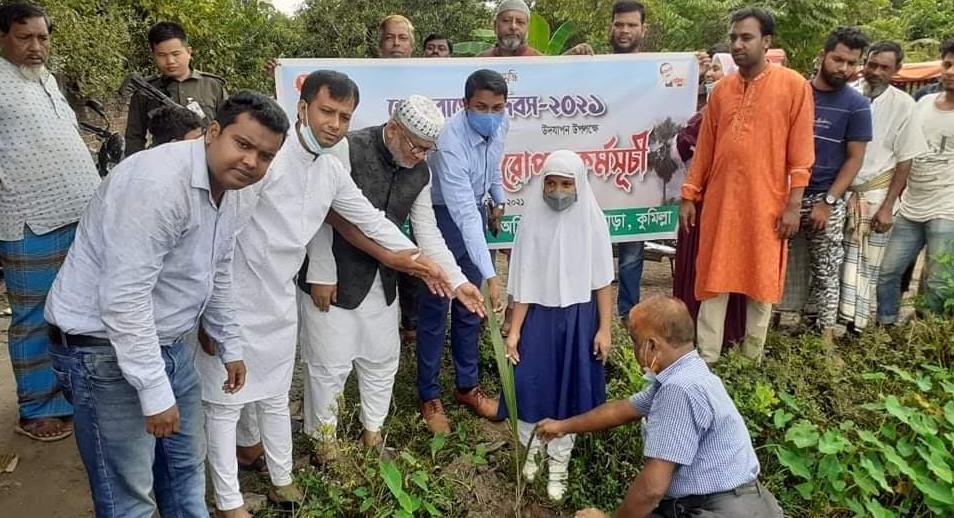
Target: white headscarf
[(725, 59), (559, 258)]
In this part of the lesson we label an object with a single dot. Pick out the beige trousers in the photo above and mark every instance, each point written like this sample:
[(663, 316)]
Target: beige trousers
[(710, 326)]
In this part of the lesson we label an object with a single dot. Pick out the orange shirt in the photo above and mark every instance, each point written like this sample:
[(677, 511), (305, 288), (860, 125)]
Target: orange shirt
[(756, 144)]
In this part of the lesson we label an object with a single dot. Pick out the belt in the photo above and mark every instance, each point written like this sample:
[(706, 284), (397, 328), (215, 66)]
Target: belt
[(882, 181), (680, 507), (58, 337)]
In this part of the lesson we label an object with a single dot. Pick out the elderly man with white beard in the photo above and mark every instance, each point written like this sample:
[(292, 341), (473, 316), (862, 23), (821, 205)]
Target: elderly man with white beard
[(47, 178)]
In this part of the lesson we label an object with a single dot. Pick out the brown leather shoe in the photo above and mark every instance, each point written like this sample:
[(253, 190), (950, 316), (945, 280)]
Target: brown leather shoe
[(434, 417), (482, 404)]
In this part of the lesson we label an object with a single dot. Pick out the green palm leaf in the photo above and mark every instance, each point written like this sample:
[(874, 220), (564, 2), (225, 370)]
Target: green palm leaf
[(559, 38), (538, 33)]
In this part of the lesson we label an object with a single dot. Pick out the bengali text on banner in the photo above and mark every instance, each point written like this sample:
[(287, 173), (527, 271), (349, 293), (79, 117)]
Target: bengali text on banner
[(621, 113)]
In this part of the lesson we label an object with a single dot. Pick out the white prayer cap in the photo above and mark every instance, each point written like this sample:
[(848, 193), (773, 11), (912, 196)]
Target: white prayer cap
[(513, 5), (420, 116)]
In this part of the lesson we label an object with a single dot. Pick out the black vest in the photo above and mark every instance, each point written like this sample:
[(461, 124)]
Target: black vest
[(390, 188)]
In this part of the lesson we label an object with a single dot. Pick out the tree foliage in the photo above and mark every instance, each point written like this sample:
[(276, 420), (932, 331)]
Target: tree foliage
[(349, 28), (96, 43), (90, 43), (802, 25)]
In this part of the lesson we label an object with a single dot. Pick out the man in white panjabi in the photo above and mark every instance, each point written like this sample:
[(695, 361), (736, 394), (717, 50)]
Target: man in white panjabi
[(281, 216), (873, 194), (348, 314)]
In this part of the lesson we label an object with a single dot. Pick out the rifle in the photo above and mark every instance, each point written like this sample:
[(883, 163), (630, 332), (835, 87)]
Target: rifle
[(134, 84)]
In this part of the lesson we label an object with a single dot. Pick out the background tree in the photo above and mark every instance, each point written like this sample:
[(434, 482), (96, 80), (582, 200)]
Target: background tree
[(96, 43), (90, 42), (349, 28)]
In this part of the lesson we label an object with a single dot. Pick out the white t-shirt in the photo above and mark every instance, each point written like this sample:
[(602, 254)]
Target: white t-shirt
[(930, 191), (897, 138)]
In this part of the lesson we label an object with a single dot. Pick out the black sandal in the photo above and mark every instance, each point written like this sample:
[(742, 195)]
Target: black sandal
[(256, 466), (285, 505)]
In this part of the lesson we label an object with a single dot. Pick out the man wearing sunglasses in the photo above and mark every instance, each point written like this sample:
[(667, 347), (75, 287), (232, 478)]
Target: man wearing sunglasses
[(349, 318)]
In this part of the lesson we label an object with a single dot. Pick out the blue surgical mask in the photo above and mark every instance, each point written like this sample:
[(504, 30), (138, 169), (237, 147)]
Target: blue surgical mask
[(560, 201), (485, 124), (308, 137), (709, 88)]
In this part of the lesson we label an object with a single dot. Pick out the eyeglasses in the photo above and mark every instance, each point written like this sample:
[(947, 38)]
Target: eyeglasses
[(412, 148)]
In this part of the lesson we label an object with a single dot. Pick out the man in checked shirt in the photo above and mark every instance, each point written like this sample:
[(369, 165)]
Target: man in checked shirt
[(699, 455)]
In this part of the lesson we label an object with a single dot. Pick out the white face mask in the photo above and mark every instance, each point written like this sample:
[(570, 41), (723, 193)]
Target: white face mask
[(649, 373)]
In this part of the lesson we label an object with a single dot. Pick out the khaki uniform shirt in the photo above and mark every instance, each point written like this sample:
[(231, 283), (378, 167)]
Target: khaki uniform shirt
[(204, 89)]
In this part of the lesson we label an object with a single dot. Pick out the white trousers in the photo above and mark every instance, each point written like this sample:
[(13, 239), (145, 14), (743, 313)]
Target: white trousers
[(221, 421), (334, 343), (247, 433), (558, 450), (324, 387)]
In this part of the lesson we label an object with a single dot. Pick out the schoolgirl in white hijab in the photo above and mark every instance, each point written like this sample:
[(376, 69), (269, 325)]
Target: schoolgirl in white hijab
[(560, 274)]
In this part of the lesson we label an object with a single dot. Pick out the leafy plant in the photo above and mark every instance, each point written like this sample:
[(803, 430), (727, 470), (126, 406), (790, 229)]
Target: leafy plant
[(540, 38), (412, 488), (903, 467), (483, 40), (943, 298), (508, 385)]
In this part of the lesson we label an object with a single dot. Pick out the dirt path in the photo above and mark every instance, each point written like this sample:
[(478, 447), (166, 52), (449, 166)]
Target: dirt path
[(49, 481)]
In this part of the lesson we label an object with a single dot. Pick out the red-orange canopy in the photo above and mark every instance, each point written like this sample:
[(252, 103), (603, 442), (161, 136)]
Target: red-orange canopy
[(776, 56), (918, 72)]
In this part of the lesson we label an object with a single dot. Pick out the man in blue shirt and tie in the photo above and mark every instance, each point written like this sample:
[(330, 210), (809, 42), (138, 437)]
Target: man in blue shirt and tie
[(465, 168)]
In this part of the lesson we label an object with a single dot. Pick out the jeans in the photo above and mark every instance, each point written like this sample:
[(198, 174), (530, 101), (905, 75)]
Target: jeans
[(631, 257), (126, 465), (907, 239), (432, 317)]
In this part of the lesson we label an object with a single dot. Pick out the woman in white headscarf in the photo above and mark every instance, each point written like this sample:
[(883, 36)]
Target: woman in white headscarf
[(722, 65), (560, 275), (687, 241)]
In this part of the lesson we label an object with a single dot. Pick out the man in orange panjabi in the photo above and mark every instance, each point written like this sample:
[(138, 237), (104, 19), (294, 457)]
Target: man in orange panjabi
[(752, 163)]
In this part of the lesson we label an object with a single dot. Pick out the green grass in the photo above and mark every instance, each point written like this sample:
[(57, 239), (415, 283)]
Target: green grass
[(470, 473)]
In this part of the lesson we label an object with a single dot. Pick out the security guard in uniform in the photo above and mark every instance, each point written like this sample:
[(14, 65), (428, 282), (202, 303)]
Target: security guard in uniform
[(200, 92)]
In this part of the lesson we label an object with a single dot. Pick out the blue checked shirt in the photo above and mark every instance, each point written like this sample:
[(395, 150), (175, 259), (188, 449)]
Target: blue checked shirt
[(691, 421)]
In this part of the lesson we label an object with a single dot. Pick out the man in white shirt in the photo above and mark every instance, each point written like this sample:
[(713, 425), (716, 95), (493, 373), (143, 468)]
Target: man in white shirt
[(926, 216), (152, 259), (282, 215), (874, 192), (46, 179), (348, 317)]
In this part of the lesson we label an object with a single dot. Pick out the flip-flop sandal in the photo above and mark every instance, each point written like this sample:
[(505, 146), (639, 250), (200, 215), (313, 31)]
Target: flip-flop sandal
[(284, 505), (256, 466), (30, 429)]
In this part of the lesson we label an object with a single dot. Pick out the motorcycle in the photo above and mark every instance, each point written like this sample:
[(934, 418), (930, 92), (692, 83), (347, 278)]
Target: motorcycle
[(112, 145)]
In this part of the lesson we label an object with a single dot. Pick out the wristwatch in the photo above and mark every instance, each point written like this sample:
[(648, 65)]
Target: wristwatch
[(829, 199)]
